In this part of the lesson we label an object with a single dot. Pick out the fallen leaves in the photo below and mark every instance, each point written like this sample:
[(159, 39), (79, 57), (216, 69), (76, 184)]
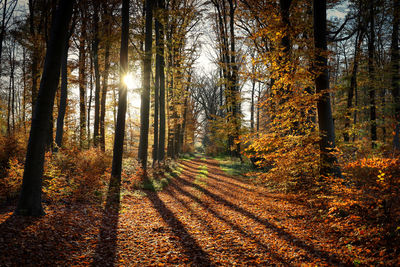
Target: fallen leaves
[(221, 221)]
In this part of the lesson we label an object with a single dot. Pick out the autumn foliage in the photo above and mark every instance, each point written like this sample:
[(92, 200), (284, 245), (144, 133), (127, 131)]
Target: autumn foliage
[(69, 175)]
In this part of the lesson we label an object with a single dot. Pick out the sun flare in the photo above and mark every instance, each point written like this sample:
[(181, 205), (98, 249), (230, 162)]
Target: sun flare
[(129, 81), (133, 85)]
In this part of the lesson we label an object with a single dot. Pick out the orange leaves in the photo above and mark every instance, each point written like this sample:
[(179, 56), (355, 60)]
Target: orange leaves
[(11, 183)]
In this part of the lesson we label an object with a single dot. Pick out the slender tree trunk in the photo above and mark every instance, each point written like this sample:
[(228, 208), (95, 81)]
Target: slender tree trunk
[(3, 29), (395, 60), (105, 78), (24, 89), (30, 201), (234, 77), (371, 72), (253, 90), (95, 51), (9, 109), (82, 79), (122, 101), (90, 100), (63, 97), (145, 95), (157, 26), (258, 107), (161, 139), (325, 121)]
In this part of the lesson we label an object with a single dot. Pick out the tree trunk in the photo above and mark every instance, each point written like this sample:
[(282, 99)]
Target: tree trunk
[(161, 139), (105, 78), (371, 72), (122, 101), (63, 97), (82, 80), (95, 51), (145, 95), (395, 57), (24, 90), (234, 78), (157, 25), (328, 162), (30, 201), (253, 90)]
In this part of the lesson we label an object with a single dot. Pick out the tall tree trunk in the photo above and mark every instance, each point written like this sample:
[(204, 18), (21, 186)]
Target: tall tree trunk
[(371, 72), (395, 57), (95, 51), (258, 107), (82, 79), (325, 121), (24, 89), (35, 53), (63, 97), (253, 90), (145, 95), (234, 78), (105, 78), (157, 26), (30, 201), (122, 101), (3, 29), (90, 99), (161, 139)]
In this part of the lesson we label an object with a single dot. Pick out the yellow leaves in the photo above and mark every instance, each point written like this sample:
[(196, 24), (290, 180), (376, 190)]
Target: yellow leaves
[(381, 177)]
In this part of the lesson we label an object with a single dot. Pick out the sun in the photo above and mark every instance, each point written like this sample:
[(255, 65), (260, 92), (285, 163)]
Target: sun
[(133, 86), (129, 81)]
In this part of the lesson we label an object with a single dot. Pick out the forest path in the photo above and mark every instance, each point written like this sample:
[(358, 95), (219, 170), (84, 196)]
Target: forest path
[(202, 218), (206, 217)]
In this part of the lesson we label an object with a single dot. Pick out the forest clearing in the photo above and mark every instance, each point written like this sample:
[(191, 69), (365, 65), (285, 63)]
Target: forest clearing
[(199, 132)]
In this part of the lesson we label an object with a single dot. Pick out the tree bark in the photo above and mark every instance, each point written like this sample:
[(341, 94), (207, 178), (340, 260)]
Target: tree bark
[(30, 201), (82, 79), (328, 162), (63, 97), (395, 58), (371, 72), (157, 26), (122, 101), (95, 51), (161, 139), (105, 77), (145, 95)]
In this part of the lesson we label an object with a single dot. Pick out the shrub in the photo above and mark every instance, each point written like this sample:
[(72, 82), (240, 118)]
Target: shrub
[(12, 181)]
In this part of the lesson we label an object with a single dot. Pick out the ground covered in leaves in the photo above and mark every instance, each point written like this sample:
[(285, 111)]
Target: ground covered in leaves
[(204, 217)]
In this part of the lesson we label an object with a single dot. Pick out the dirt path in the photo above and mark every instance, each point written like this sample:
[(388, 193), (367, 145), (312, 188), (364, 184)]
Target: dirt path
[(202, 220)]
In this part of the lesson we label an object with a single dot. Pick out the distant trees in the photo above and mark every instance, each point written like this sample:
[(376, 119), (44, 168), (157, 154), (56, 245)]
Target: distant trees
[(7, 8), (225, 24)]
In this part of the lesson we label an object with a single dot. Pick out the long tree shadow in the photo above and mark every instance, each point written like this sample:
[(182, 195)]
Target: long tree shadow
[(106, 250), (332, 258), (233, 185), (210, 229), (189, 245)]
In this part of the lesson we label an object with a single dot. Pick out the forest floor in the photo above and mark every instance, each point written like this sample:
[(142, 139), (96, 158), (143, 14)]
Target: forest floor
[(204, 217)]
